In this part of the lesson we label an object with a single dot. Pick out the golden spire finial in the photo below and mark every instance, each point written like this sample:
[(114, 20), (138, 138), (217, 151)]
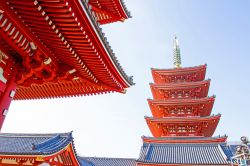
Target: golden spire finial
[(177, 55)]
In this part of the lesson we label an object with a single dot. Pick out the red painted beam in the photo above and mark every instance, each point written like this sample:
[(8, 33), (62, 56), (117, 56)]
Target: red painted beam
[(9, 90)]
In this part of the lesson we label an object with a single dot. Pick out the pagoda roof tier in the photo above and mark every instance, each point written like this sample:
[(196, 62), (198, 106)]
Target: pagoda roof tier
[(163, 140), (184, 154), (56, 43), (183, 126), (181, 107), (38, 148), (183, 90), (108, 11), (185, 74)]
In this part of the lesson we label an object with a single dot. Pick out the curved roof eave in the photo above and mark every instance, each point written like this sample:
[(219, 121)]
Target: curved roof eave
[(127, 79), (124, 7)]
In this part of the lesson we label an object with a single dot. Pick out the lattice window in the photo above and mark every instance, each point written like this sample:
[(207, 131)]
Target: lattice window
[(187, 94), (172, 112), (181, 111), (179, 95), (171, 129), (182, 129), (172, 79), (189, 110), (172, 95), (191, 129)]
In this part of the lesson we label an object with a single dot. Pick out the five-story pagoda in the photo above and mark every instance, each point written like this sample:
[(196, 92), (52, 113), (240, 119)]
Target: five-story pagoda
[(182, 125)]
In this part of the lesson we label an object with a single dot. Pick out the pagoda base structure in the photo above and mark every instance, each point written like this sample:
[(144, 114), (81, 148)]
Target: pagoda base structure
[(184, 151)]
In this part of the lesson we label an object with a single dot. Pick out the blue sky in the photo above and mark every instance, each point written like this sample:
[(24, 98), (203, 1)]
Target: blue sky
[(212, 32)]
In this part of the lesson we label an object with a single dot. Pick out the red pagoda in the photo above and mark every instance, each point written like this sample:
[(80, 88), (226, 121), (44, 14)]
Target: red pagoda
[(182, 125)]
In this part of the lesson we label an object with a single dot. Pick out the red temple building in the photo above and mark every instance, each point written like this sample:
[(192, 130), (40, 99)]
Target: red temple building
[(56, 48), (51, 49)]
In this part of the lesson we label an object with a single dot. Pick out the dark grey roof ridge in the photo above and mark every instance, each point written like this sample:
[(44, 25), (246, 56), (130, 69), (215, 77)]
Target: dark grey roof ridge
[(33, 134), (128, 13)]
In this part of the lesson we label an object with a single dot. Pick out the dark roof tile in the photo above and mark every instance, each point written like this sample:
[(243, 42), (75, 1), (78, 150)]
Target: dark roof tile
[(96, 161), (33, 144), (212, 154)]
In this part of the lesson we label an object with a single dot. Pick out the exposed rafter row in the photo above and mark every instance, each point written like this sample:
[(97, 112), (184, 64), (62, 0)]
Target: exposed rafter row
[(62, 39)]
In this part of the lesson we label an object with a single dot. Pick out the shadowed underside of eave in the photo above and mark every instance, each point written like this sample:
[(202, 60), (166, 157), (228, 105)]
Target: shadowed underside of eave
[(68, 36)]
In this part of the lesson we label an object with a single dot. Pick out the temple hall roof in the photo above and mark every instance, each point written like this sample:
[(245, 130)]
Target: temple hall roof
[(193, 154), (33, 144), (96, 161)]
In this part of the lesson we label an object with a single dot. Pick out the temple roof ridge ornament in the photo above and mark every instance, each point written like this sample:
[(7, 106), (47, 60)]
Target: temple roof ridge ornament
[(177, 54)]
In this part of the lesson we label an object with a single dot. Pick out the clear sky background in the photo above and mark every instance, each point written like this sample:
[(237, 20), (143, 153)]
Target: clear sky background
[(215, 32)]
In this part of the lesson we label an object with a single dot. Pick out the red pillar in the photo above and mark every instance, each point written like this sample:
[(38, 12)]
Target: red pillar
[(8, 72)]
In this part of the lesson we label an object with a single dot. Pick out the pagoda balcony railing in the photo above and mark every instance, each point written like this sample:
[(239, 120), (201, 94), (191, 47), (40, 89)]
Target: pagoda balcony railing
[(181, 111), (181, 94), (193, 77), (183, 131)]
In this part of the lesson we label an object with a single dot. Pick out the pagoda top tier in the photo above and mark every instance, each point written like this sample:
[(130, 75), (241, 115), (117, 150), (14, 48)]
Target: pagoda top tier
[(59, 48), (185, 74)]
